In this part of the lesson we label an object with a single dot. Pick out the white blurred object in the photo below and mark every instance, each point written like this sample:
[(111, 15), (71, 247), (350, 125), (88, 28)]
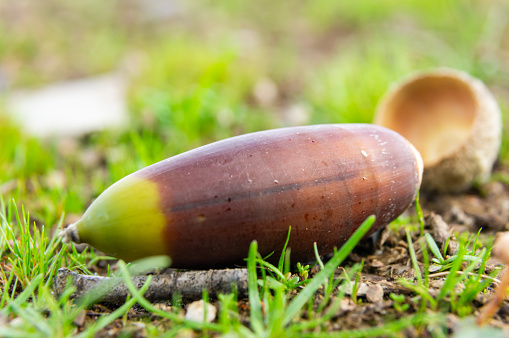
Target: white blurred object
[(296, 114), (196, 312), (71, 108), (265, 91), (159, 9)]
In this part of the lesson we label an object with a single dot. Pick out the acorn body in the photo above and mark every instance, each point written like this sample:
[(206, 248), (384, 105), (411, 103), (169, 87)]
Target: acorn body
[(205, 206)]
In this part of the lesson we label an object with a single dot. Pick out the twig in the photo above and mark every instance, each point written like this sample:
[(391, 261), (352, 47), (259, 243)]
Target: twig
[(445, 273), (189, 285)]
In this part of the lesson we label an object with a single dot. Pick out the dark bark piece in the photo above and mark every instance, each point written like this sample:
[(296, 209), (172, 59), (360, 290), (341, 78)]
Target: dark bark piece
[(441, 232), (189, 285)]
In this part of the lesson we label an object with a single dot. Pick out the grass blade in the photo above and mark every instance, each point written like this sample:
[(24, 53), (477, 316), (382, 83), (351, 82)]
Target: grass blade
[(254, 295), (283, 253), (434, 247), (25, 294), (420, 215), (301, 299), (413, 257)]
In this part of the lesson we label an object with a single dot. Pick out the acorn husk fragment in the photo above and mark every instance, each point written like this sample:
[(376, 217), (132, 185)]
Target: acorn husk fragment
[(452, 119)]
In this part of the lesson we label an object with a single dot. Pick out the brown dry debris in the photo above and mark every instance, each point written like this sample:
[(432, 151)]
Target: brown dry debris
[(487, 208)]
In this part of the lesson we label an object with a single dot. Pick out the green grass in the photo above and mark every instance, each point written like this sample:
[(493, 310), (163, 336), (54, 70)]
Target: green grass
[(193, 80), (33, 252), (450, 298), (196, 104), (41, 50)]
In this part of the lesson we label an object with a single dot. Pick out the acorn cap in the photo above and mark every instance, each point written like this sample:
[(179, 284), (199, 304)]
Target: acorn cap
[(452, 119)]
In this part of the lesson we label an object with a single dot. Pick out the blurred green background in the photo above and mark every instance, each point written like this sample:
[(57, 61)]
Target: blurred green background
[(206, 70)]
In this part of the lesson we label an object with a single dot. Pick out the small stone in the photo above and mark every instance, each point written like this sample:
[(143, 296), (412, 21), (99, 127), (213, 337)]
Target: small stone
[(437, 284), (163, 307), (17, 322), (79, 320), (375, 263), (375, 293), (187, 333), (196, 310), (482, 298), (346, 304), (434, 268), (362, 288), (458, 288)]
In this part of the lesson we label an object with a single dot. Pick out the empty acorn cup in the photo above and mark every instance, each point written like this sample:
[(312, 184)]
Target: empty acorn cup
[(454, 122)]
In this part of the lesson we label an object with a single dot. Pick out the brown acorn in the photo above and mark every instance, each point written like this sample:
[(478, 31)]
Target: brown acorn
[(454, 122), (205, 206)]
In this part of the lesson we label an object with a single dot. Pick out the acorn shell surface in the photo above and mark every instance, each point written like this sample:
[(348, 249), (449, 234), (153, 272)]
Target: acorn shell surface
[(205, 206), (452, 119)]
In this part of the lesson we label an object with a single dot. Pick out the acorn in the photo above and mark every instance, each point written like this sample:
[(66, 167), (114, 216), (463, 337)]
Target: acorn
[(452, 119), (205, 206)]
